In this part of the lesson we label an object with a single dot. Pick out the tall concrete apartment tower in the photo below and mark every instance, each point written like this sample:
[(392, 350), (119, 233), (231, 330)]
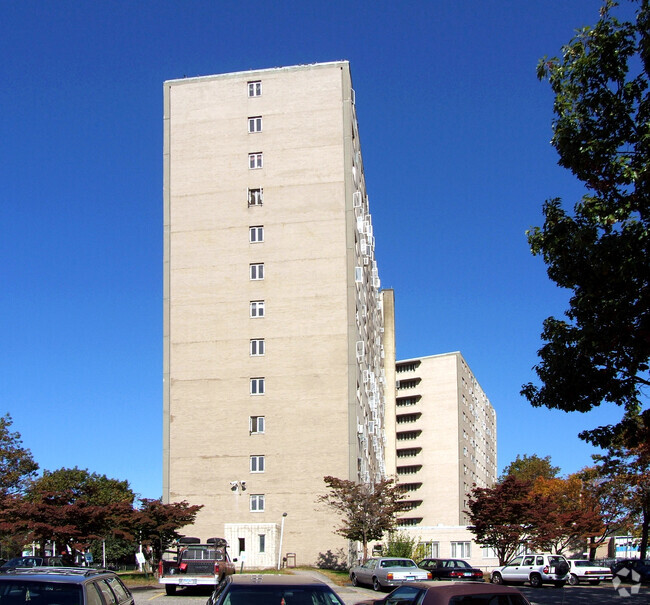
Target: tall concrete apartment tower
[(274, 338), (446, 442)]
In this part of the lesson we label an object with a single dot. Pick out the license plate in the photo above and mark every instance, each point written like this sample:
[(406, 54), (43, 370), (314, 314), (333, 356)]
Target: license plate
[(187, 581)]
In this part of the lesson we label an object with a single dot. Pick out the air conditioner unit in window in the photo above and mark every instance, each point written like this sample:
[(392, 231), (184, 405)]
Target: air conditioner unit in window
[(356, 199), (366, 260)]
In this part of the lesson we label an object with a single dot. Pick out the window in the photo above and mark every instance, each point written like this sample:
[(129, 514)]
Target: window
[(461, 550), (257, 271), (257, 503), (256, 424), (255, 160), (488, 552), (242, 545), (257, 347), (255, 197), (255, 124), (255, 88), (257, 464), (257, 308), (256, 234), (257, 386), (358, 274), (262, 542)]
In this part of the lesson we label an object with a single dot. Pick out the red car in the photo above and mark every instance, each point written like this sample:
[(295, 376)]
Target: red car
[(451, 593)]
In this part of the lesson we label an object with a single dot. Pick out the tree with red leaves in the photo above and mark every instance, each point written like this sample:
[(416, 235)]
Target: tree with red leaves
[(368, 511)]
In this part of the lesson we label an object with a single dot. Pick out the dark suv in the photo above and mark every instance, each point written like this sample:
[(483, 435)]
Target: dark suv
[(62, 586)]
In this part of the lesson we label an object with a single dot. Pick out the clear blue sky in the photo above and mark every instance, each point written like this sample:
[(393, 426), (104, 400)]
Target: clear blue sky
[(455, 132)]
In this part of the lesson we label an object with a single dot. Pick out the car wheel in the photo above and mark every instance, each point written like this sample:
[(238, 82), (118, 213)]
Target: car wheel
[(496, 578), (573, 580), (535, 580), (170, 589), (594, 582), (355, 582), (376, 585)]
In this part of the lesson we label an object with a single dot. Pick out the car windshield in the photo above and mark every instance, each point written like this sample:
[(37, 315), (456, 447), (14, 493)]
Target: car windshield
[(280, 595), (398, 563), (25, 592)]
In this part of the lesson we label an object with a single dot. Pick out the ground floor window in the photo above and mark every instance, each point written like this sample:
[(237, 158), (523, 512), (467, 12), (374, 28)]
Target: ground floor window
[(262, 538), (431, 549), (462, 550)]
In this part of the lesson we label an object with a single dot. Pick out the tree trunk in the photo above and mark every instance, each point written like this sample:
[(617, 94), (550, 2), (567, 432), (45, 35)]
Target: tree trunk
[(645, 524), (592, 548)]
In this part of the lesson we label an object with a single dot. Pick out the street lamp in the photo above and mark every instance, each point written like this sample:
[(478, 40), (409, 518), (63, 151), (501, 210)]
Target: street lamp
[(281, 534)]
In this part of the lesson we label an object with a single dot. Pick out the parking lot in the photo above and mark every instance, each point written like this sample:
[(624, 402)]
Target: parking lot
[(548, 595)]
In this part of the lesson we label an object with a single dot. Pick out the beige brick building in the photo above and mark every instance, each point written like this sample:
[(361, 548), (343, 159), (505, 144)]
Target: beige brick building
[(276, 334), (446, 443)]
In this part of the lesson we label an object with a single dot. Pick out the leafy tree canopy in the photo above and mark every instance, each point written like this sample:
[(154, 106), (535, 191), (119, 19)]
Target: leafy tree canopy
[(530, 468), (600, 351), (76, 485), (17, 465), (158, 524), (367, 510)]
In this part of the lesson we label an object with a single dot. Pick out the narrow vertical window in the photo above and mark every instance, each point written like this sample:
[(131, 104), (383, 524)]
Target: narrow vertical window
[(256, 271), (255, 160), (257, 308), (255, 124), (256, 425), (256, 234), (257, 386), (255, 88), (257, 347), (255, 197), (257, 464), (262, 542), (257, 503)]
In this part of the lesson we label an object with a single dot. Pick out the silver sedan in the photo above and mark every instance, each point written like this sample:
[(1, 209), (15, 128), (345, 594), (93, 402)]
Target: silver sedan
[(382, 572)]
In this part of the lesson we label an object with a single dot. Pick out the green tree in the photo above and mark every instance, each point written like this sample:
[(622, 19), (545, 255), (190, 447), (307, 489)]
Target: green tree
[(600, 351), (73, 507), (400, 544), (530, 468), (17, 465), (368, 511)]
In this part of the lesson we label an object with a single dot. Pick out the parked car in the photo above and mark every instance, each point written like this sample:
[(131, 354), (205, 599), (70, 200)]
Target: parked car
[(582, 570), (32, 561), (632, 570), (266, 588), (451, 569), (451, 593), (382, 572), (63, 586), (537, 569)]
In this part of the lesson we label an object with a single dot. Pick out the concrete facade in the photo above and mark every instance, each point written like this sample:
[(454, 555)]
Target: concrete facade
[(446, 438), (274, 323)]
